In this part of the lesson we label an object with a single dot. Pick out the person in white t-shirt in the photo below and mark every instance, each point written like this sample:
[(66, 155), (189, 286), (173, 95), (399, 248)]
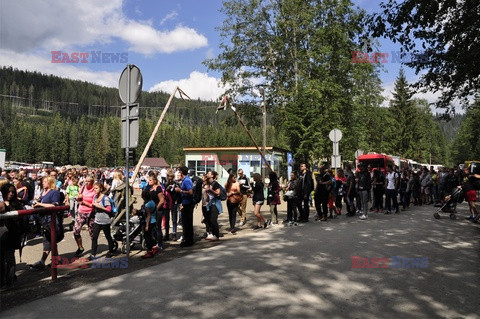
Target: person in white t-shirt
[(391, 189), (163, 175)]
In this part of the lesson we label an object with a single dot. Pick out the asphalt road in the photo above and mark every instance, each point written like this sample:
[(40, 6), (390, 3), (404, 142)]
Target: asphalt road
[(288, 272)]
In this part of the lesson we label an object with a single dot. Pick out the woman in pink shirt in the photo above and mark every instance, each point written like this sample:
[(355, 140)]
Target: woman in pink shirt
[(84, 213)]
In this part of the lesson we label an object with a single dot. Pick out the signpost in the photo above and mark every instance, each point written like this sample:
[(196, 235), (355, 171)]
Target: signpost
[(335, 136), (357, 154), (129, 89)]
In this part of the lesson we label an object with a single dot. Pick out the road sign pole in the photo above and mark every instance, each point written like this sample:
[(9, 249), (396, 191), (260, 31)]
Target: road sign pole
[(127, 177), (129, 92), (335, 136)]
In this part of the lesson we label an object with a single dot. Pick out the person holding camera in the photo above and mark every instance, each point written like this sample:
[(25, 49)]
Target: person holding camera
[(172, 210), (214, 206)]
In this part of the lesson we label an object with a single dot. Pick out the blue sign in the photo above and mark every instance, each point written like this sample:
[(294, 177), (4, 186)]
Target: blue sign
[(290, 158)]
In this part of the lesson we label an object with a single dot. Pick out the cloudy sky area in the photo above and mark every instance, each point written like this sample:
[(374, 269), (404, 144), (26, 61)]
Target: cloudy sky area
[(167, 40)]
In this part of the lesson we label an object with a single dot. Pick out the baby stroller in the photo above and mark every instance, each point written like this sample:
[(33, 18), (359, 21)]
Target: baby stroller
[(450, 206), (137, 225), (119, 224)]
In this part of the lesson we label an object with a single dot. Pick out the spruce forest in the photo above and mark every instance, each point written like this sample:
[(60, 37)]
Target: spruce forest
[(47, 118)]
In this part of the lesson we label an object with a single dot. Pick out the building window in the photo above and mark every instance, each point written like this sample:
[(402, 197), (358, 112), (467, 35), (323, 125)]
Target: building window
[(255, 165), (198, 168)]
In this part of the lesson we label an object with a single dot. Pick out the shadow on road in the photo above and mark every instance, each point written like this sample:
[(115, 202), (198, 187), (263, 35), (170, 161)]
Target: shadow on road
[(285, 272)]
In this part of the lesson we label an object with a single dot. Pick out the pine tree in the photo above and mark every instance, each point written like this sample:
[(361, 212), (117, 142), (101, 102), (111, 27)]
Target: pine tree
[(404, 115)]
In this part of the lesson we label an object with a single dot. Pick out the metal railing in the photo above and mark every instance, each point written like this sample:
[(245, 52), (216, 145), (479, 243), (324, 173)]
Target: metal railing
[(53, 226)]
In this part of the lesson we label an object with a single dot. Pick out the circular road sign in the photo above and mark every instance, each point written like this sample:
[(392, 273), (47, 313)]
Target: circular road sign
[(335, 135), (136, 82)]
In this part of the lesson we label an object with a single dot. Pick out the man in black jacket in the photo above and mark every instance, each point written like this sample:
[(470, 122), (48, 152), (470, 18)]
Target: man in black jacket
[(322, 191), (306, 187), (364, 185)]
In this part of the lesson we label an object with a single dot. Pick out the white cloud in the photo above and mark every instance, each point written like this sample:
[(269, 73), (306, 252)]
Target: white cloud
[(197, 85), (147, 40), (171, 15), (60, 25), (31, 62)]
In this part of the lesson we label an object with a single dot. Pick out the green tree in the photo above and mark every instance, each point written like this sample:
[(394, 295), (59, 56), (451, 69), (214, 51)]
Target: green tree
[(403, 112), (300, 52), (440, 41), (467, 144)]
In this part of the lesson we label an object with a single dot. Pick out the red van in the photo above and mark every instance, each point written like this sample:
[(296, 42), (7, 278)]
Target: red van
[(376, 161)]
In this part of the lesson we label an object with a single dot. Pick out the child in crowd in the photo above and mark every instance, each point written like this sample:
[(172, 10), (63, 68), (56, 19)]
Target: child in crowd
[(102, 209)]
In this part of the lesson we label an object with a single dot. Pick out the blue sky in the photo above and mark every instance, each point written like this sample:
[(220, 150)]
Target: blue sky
[(167, 40)]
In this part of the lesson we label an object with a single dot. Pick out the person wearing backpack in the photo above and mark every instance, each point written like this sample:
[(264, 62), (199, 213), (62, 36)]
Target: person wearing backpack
[(391, 190), (214, 206), (11, 232), (102, 210)]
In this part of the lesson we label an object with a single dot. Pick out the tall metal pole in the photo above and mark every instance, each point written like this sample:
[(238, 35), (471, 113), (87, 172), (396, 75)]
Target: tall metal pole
[(264, 131), (127, 149)]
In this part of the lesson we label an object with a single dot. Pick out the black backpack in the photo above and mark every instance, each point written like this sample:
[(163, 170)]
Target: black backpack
[(197, 189), (28, 183), (59, 228)]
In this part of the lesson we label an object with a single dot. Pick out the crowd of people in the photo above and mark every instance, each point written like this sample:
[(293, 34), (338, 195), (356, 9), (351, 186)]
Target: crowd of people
[(371, 190), (170, 196)]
